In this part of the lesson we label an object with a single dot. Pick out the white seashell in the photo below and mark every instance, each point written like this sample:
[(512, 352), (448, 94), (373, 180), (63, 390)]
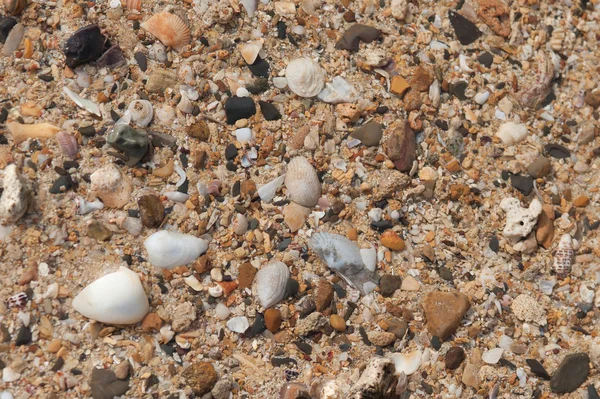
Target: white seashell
[(168, 249), (111, 186), (481, 97), (369, 257), (165, 114), (338, 91), (85, 207), (406, 363), (215, 291), (250, 50), (563, 257), (280, 82), (216, 274), (88, 105), (492, 356), (240, 224), (242, 92), (166, 333), (302, 182), (344, 257), (176, 196), (250, 6), (238, 324), (271, 282), (133, 226), (185, 104), (116, 298), (511, 133), (268, 191), (243, 135), (222, 311), (67, 143), (10, 375), (16, 196), (141, 112), (435, 93), (305, 77), (462, 62), (190, 92), (193, 282)]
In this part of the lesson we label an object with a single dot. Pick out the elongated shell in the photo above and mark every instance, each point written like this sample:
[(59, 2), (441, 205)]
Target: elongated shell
[(116, 298), (271, 282), (168, 249), (343, 256), (302, 182), (67, 143), (169, 29), (305, 77), (563, 257), (267, 192), (141, 112)]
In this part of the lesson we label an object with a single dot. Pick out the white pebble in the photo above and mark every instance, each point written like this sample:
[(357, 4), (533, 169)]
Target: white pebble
[(242, 92), (481, 97), (492, 356), (511, 133), (238, 324), (243, 135), (222, 311)]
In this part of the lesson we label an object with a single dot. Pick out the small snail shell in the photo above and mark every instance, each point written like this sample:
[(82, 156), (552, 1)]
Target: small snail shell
[(305, 77), (67, 143), (141, 112), (563, 257)]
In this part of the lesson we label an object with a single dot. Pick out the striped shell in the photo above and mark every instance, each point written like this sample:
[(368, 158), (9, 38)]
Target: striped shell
[(305, 77), (563, 257), (271, 282), (169, 29), (68, 144), (302, 182), (134, 5)]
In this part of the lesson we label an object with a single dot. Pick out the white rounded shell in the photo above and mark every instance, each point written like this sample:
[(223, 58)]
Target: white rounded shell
[(116, 298), (305, 77), (271, 283), (141, 112), (168, 249), (302, 182)]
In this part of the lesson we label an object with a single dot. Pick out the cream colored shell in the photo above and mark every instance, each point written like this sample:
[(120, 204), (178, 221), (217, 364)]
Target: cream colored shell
[(305, 77)]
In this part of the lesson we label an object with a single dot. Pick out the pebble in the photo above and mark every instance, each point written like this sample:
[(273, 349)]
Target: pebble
[(294, 390), (246, 275), (272, 319), (465, 30), (454, 357), (237, 108), (98, 231), (269, 111), (538, 369), (571, 373), (6, 24), (238, 324), (199, 130), (201, 377), (539, 168), (337, 322), (61, 185), (524, 184), (388, 284), (369, 134), (421, 79), (141, 60), (399, 85), (444, 312), (357, 33), (492, 356), (397, 327), (295, 216), (390, 239), (581, 201), (23, 336), (122, 370), (323, 295), (222, 388), (401, 148), (381, 338), (592, 99), (152, 210), (544, 233), (151, 322), (105, 384), (257, 327), (310, 323), (410, 284)]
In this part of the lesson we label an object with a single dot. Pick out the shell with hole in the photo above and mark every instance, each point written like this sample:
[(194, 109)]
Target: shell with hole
[(141, 112), (116, 298), (271, 282), (169, 29), (302, 182), (305, 77), (168, 249)]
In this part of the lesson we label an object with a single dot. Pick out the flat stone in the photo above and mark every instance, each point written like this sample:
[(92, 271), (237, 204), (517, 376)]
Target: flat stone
[(401, 148), (397, 327), (410, 284), (152, 210), (61, 185), (237, 108), (465, 30), (323, 295), (486, 59), (141, 59), (571, 373), (399, 85), (537, 368), (98, 231), (122, 370), (369, 134), (454, 357), (105, 384), (246, 275), (381, 338), (388, 284), (269, 111), (390, 239), (23, 336), (524, 184), (444, 312), (257, 327), (151, 322), (539, 168), (421, 79), (201, 377), (355, 34), (272, 319)]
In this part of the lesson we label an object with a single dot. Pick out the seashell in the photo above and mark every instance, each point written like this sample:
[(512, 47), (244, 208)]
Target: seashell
[(141, 112), (116, 298), (216, 274), (85, 207), (222, 311), (338, 91), (302, 182), (169, 29), (193, 282), (344, 257), (14, 7), (185, 105), (215, 291), (176, 196), (88, 105), (492, 356), (250, 50), (271, 282), (21, 132), (18, 300), (267, 192), (111, 186), (214, 188), (250, 6), (67, 143), (369, 257), (228, 287), (238, 324), (167, 249), (16, 196), (13, 40), (563, 257), (134, 5), (305, 77), (376, 381), (240, 224), (406, 363)]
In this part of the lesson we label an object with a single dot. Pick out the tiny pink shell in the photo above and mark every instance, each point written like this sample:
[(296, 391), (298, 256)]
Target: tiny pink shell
[(68, 144)]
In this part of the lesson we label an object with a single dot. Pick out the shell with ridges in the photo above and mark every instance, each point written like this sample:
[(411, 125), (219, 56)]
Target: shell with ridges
[(563, 257), (168, 249), (271, 282), (305, 77), (141, 112), (134, 5), (169, 29), (67, 143), (302, 182)]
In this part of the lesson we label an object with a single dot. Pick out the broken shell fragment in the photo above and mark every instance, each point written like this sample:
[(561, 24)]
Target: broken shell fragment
[(111, 186), (16, 196), (168, 249), (407, 363), (169, 29), (116, 298), (250, 6), (21, 132), (267, 192), (86, 104), (563, 257), (305, 77), (271, 282), (68, 144), (250, 50), (141, 112), (84, 207), (302, 182)]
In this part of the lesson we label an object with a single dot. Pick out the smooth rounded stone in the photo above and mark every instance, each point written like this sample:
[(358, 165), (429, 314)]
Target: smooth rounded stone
[(529, 310), (323, 295), (492, 356), (486, 59), (201, 377), (539, 168), (357, 33), (410, 284), (98, 231), (388, 284), (444, 312), (465, 30), (16, 196), (238, 324), (6, 24), (85, 45), (294, 390), (571, 373), (272, 320), (397, 327), (391, 240), (122, 370), (140, 58), (237, 108), (512, 133), (132, 142), (222, 388), (524, 184), (104, 384), (454, 357), (246, 273), (152, 210), (401, 148), (381, 338), (369, 134), (269, 111), (337, 322)]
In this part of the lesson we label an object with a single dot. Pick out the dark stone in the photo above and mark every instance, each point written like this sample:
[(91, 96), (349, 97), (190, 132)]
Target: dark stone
[(282, 246), (592, 393), (258, 86), (70, 164), (459, 89), (269, 111), (445, 273), (141, 60), (524, 184), (257, 327), (454, 357), (369, 134), (61, 185), (46, 78), (388, 284), (339, 291), (152, 210), (98, 231), (465, 30), (6, 25), (540, 167), (436, 343), (304, 347), (382, 225), (486, 59), (281, 30), (105, 384), (355, 34), (557, 151), (494, 244), (401, 148), (280, 361), (160, 139), (292, 287), (382, 109), (3, 115), (87, 131), (112, 58), (260, 68), (23, 336), (537, 368), (237, 108), (231, 152), (132, 142), (85, 45), (60, 361), (571, 373)]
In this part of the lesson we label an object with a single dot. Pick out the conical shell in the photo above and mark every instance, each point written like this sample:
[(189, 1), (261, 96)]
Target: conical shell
[(271, 282), (302, 182), (250, 50), (563, 257), (168, 249), (141, 112), (68, 144), (305, 77), (116, 298), (169, 29)]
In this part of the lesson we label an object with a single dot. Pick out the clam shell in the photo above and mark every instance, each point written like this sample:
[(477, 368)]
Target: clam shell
[(168, 249), (302, 182), (563, 257), (406, 362), (67, 143), (141, 112), (271, 281), (116, 298), (169, 29), (305, 77), (250, 50)]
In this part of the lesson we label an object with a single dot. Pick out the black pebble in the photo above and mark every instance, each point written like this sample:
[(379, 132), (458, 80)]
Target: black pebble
[(115, 117), (382, 109), (459, 90), (494, 244), (486, 59), (269, 111), (524, 184), (231, 152), (62, 182), (280, 361), (364, 336), (339, 291), (537, 369), (237, 108), (87, 131), (291, 288), (230, 167), (23, 336), (282, 246), (184, 187), (465, 30), (445, 273), (58, 365), (3, 115), (141, 60), (85, 45), (3, 139), (557, 151), (281, 30), (592, 393), (436, 343), (258, 86), (46, 78), (257, 327), (304, 347), (6, 24), (382, 225), (259, 68)]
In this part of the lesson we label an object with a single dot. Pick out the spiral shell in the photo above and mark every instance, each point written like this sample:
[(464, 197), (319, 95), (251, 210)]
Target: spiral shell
[(169, 29), (302, 182), (271, 282), (563, 257), (305, 77), (141, 112), (67, 143)]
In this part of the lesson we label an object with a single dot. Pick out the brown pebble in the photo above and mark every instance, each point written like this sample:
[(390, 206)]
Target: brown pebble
[(28, 275), (401, 148), (98, 231), (381, 338), (349, 16), (122, 370), (152, 322), (201, 377), (273, 319), (593, 99), (337, 322), (444, 312), (353, 234), (246, 275), (390, 239), (248, 187), (454, 357), (199, 130), (152, 210), (545, 226), (581, 201), (323, 295), (201, 265), (421, 79), (399, 85)]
